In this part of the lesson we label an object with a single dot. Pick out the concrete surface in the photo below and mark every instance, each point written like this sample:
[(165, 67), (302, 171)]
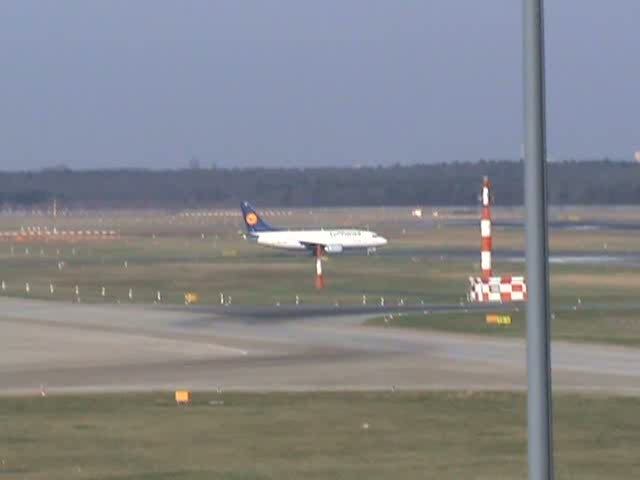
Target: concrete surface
[(86, 348)]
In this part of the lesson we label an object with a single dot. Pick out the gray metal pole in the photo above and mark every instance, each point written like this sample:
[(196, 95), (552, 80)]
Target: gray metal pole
[(539, 408)]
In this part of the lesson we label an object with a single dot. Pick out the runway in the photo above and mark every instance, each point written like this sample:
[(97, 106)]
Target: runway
[(92, 348)]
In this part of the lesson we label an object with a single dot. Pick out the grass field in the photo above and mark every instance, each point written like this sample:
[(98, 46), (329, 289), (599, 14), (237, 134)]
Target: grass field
[(207, 255), (620, 327), (313, 436)]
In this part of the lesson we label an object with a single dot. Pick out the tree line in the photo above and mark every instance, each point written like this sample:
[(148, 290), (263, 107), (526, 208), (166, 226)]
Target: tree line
[(570, 183)]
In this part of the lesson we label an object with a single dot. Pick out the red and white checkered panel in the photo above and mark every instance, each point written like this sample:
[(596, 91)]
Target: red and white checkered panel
[(45, 233), (497, 289)]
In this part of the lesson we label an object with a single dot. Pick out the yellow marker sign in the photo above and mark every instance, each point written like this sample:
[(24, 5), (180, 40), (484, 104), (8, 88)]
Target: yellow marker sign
[(493, 319), (191, 298), (183, 397)]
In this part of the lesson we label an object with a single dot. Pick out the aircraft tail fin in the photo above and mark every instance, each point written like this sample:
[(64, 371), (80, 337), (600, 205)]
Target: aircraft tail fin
[(252, 220)]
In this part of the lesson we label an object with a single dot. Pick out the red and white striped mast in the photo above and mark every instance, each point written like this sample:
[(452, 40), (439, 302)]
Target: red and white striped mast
[(319, 275), (485, 230)]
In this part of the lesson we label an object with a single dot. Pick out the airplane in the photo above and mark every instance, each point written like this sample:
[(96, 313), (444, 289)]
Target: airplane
[(318, 242)]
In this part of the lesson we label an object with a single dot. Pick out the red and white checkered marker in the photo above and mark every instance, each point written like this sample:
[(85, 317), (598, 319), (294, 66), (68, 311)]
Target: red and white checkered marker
[(46, 233), (497, 289), (488, 288)]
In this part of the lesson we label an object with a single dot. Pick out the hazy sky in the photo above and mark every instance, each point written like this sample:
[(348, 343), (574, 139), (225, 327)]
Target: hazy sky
[(294, 82)]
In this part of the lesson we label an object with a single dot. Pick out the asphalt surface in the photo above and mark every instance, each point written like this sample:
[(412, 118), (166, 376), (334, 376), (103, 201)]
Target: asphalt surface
[(569, 257), (87, 348)]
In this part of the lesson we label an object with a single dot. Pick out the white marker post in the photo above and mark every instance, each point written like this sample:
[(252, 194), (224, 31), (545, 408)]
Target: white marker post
[(27, 287)]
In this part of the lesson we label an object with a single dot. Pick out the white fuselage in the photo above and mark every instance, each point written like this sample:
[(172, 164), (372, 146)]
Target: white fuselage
[(333, 241)]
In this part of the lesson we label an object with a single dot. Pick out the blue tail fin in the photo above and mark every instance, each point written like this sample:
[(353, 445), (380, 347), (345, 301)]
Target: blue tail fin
[(252, 220)]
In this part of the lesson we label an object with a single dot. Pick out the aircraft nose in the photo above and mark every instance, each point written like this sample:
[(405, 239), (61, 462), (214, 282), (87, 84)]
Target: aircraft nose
[(383, 241)]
